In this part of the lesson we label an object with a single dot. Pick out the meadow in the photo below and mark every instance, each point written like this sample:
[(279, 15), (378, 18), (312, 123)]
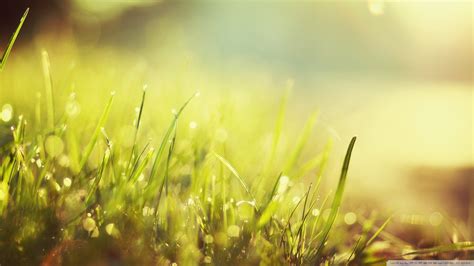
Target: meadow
[(106, 161)]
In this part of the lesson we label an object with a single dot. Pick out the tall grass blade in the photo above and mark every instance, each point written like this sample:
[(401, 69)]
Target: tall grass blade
[(278, 128), (460, 246), (95, 135), (308, 128), (336, 203), (164, 141), (48, 85), (377, 233), (237, 175), (137, 126), (97, 179), (164, 184), (12, 40)]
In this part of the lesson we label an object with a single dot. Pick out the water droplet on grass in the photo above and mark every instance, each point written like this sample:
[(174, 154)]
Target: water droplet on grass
[(190, 202), (233, 231), (350, 218), (56, 186), (283, 184), (296, 199), (67, 182), (6, 113), (95, 232), (41, 192), (193, 125), (88, 224), (315, 212), (64, 160), (208, 239), (54, 145), (73, 108), (207, 259), (111, 229)]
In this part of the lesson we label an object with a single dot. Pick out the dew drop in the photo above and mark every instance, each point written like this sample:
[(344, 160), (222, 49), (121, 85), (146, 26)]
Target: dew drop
[(233, 231), (350, 218), (54, 145), (6, 113), (67, 182), (88, 224)]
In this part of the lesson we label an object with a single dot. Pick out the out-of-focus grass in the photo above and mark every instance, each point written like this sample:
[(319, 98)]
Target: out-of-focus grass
[(7, 51), (89, 178)]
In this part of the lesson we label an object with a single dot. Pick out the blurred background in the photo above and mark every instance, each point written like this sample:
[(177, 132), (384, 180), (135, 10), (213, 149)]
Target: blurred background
[(396, 73)]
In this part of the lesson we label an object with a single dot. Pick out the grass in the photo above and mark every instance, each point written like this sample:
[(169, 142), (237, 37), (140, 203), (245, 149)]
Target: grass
[(7, 51), (82, 188)]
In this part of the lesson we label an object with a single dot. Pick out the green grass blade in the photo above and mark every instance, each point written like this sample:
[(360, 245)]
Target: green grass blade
[(237, 175), (100, 173), (95, 135), (142, 104), (377, 233), (137, 126), (48, 84), (12, 40), (164, 141), (308, 128), (164, 184), (460, 246), (336, 203), (139, 167), (278, 128), (275, 187)]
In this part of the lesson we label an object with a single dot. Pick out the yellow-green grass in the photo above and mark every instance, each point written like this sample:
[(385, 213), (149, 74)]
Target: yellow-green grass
[(122, 162)]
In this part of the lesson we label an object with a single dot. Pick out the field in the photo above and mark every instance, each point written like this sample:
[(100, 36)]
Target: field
[(106, 161)]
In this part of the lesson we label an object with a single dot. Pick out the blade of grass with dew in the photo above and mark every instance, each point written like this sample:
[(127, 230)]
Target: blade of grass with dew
[(164, 184), (362, 241), (336, 203), (95, 135), (167, 135), (308, 128), (324, 161), (48, 85), (377, 233), (73, 150), (278, 129), (136, 161), (270, 207), (455, 247), (137, 126), (361, 244), (100, 173), (318, 160), (318, 219), (12, 40), (460, 246), (301, 232), (239, 178), (310, 165), (141, 167), (287, 226)]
